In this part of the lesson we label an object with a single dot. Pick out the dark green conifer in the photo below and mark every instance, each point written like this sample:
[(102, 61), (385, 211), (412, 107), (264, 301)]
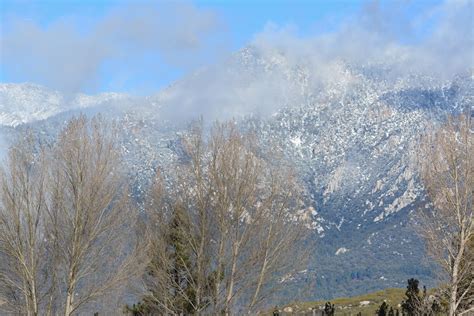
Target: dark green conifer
[(391, 312), (383, 310), (412, 304), (329, 309), (276, 311)]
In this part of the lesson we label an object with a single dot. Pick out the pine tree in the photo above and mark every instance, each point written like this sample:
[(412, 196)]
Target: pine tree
[(276, 311), (181, 258), (391, 312), (411, 306), (329, 309), (382, 311), (436, 307), (139, 309), (177, 256)]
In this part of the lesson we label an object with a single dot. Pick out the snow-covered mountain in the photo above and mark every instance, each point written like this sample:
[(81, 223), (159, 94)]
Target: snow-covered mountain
[(26, 103), (351, 133)]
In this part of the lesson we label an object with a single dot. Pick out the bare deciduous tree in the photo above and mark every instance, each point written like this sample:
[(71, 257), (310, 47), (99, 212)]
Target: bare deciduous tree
[(89, 213), (447, 169), (227, 233), (65, 222), (23, 272)]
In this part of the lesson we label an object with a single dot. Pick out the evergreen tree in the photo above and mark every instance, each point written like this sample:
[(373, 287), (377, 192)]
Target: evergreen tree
[(412, 304), (391, 312), (383, 310), (180, 253), (417, 303), (436, 307), (138, 309), (276, 311), (329, 309), (177, 256)]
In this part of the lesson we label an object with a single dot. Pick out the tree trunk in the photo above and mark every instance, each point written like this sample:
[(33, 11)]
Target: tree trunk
[(453, 303), (69, 303), (70, 294), (263, 269), (27, 298), (230, 289), (34, 298), (260, 282), (217, 285)]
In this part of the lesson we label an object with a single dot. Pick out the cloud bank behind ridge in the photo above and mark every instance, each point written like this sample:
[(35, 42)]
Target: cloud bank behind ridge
[(436, 41), (436, 44)]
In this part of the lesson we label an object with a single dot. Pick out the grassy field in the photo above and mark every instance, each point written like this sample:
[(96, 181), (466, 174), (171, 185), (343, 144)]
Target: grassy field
[(367, 304)]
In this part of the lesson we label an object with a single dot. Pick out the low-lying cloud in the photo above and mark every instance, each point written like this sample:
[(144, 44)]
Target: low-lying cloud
[(436, 44)]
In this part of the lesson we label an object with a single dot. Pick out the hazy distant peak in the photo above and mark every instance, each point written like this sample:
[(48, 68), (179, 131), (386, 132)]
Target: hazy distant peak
[(27, 102)]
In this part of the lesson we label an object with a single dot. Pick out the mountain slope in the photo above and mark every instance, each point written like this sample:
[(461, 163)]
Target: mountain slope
[(351, 135)]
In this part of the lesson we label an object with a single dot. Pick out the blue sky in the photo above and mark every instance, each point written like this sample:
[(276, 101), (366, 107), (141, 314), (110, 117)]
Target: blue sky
[(53, 42), (243, 18)]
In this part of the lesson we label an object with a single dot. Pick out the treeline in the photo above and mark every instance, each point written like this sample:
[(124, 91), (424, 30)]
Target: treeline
[(416, 301), (219, 233)]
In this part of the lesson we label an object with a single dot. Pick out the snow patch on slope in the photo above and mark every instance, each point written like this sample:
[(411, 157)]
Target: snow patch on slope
[(341, 251)]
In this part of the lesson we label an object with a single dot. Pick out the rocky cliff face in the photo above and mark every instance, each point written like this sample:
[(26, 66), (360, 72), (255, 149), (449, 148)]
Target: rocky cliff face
[(352, 137)]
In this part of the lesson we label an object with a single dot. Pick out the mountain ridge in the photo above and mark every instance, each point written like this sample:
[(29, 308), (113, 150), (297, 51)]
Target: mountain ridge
[(352, 138)]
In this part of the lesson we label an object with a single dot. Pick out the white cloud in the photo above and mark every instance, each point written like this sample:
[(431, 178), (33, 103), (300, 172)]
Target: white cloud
[(70, 57), (437, 43)]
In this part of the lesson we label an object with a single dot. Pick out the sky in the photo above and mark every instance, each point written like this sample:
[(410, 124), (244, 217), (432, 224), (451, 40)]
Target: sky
[(139, 47)]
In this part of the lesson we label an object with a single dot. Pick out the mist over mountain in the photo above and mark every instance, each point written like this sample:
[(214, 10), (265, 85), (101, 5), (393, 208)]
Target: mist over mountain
[(350, 128)]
